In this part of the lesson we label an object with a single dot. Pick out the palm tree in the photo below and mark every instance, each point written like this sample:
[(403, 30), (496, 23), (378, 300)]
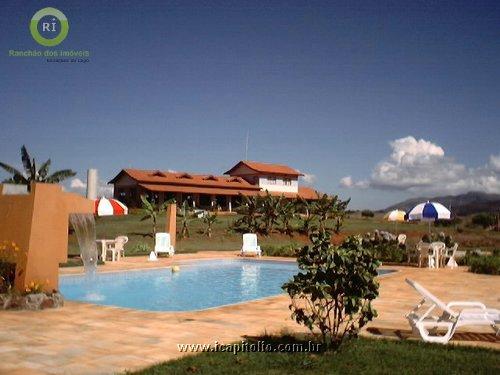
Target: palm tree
[(32, 174), (151, 211)]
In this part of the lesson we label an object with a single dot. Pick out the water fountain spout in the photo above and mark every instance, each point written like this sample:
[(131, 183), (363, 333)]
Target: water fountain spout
[(84, 226)]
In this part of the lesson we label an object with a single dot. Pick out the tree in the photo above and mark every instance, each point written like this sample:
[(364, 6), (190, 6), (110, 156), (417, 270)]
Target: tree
[(334, 287), (32, 174), (209, 220), (152, 210), (367, 213)]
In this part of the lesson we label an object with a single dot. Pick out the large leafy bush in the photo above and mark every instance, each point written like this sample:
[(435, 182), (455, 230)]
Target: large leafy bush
[(334, 288)]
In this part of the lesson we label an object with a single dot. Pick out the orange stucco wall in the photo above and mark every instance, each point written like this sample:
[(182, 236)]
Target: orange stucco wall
[(171, 225), (38, 224)]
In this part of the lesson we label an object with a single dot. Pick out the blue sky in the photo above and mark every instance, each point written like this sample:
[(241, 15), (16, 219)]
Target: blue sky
[(324, 87)]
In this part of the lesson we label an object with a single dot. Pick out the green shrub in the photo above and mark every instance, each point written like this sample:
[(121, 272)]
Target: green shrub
[(448, 223), (333, 290), (485, 264), (281, 251), (7, 276), (367, 213), (141, 248), (484, 220), (384, 249)]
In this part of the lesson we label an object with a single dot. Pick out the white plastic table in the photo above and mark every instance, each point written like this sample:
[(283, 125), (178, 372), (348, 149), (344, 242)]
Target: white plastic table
[(104, 248)]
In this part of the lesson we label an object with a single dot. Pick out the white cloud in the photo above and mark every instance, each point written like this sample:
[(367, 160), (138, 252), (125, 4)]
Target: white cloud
[(308, 179), (348, 182), (421, 166), (495, 162), (77, 184)]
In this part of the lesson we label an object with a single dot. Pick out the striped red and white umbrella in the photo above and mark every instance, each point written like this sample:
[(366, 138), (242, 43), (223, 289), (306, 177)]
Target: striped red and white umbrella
[(108, 207)]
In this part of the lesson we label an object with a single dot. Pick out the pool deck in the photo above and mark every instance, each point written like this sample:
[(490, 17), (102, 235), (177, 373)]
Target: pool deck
[(82, 338)]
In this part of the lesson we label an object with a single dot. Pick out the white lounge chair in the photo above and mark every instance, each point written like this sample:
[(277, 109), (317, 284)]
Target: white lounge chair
[(250, 245), (427, 325), (163, 245)]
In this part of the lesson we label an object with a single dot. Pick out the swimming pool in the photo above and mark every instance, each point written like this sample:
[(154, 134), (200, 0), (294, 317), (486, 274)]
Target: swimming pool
[(198, 285)]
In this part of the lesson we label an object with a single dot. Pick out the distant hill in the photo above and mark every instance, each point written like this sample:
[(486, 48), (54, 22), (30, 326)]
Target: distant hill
[(463, 204)]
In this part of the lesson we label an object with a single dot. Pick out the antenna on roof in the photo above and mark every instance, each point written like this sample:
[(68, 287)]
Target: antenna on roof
[(246, 146)]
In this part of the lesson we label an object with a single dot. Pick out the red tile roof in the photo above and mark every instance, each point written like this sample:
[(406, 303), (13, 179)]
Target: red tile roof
[(196, 190), (185, 179), (266, 168), (181, 182)]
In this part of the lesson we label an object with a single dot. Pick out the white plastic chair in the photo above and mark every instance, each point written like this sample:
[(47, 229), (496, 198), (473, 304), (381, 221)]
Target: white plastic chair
[(401, 239), (436, 250), (117, 248), (427, 325), (250, 245), (422, 252), (162, 244)]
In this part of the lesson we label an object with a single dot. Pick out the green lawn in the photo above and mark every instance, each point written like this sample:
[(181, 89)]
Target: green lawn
[(361, 356), (224, 239)]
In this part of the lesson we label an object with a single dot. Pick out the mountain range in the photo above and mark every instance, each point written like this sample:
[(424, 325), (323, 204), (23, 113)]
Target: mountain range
[(463, 204)]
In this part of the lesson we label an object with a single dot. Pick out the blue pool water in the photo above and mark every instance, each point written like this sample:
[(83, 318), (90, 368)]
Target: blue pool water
[(198, 285)]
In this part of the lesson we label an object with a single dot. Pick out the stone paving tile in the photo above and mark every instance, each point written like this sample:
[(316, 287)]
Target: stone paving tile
[(82, 338)]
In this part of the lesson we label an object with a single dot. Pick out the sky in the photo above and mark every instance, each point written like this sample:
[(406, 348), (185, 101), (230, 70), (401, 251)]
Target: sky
[(377, 101)]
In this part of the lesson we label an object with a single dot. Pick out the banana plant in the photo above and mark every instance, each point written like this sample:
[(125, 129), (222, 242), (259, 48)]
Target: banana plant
[(287, 211), (209, 220), (329, 207), (306, 215), (152, 210), (32, 174), (270, 210), (184, 212), (250, 211)]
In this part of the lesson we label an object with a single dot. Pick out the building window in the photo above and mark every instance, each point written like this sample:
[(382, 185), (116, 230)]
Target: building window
[(271, 180), (287, 182)]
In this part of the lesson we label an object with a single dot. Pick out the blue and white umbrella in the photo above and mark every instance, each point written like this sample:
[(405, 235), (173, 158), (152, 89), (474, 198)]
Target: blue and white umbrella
[(429, 211)]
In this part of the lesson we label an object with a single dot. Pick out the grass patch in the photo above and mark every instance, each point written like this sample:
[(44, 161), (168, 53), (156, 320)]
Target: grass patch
[(358, 356), (223, 239)]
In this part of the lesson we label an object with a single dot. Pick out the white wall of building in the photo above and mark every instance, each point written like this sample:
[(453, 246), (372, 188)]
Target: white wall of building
[(279, 184)]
